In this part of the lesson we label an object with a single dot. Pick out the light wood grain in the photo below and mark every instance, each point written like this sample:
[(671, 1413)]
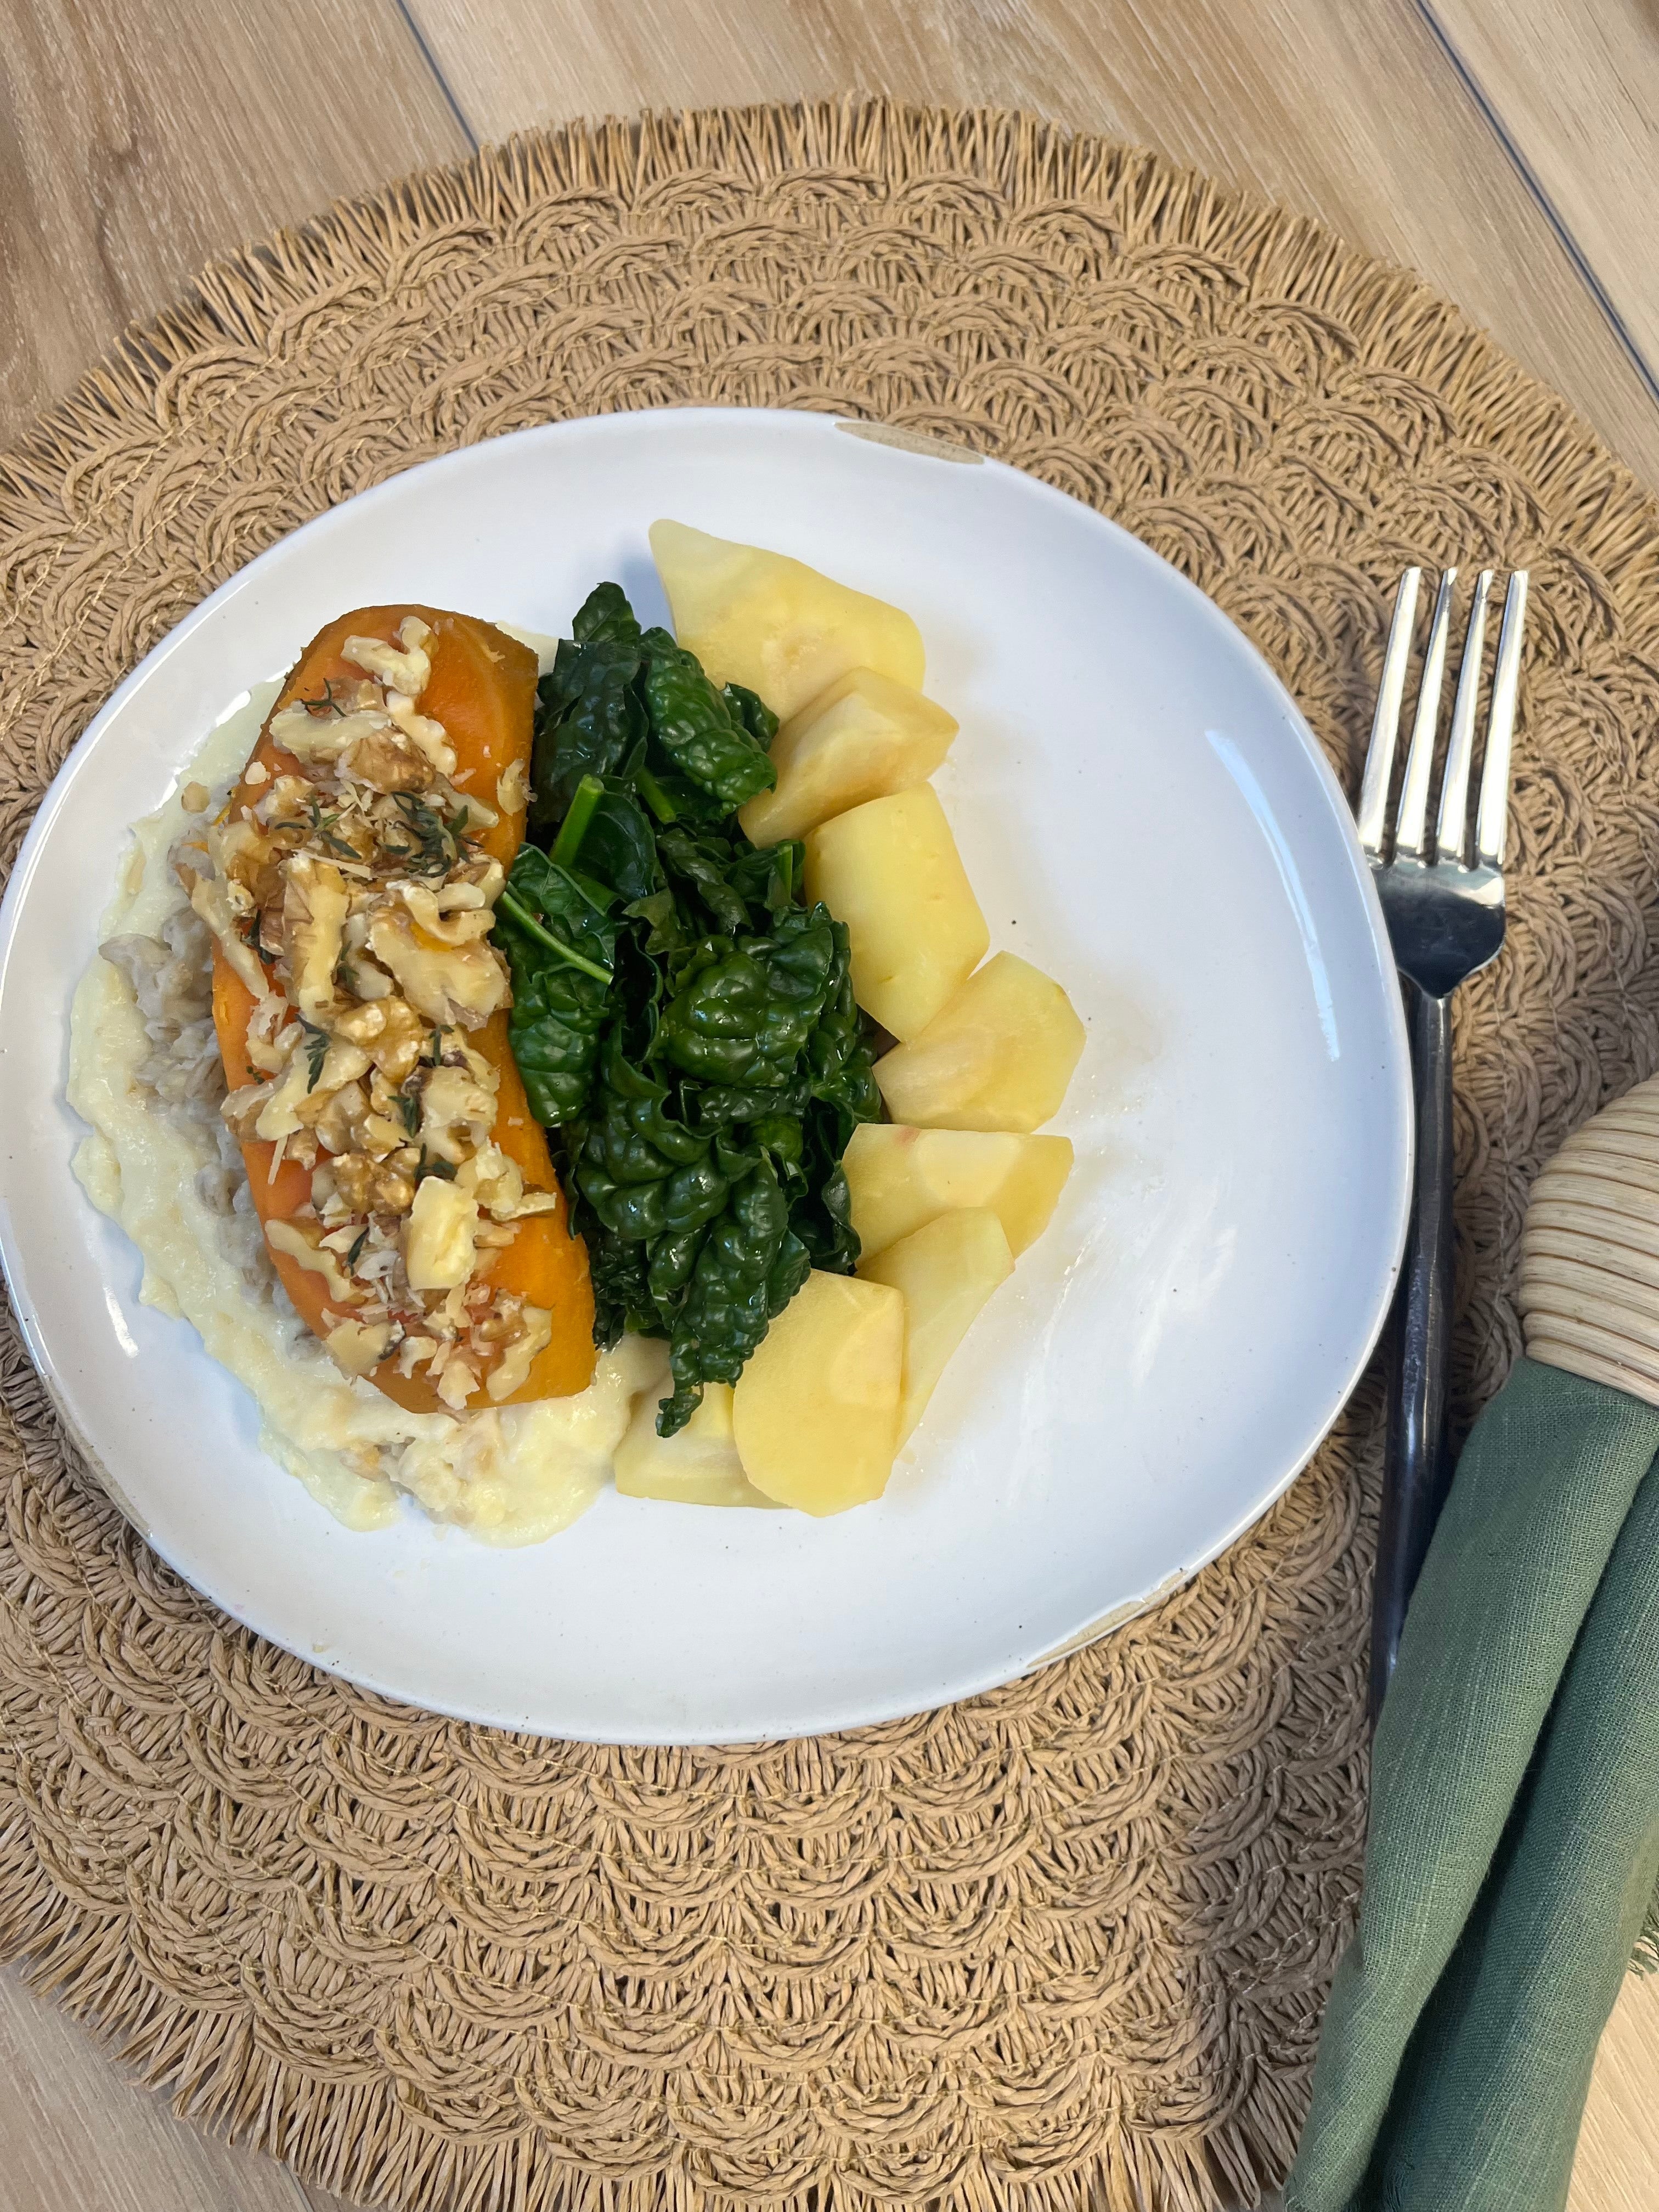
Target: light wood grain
[(79, 2136), (1349, 113), (1617, 2169), (138, 141), (1576, 90)]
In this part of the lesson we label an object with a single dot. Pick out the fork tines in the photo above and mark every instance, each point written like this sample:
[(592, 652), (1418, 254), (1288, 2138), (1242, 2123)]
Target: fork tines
[(1452, 828)]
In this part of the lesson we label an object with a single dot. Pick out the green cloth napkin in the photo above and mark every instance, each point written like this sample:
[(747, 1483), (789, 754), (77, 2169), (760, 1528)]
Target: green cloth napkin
[(1514, 1843)]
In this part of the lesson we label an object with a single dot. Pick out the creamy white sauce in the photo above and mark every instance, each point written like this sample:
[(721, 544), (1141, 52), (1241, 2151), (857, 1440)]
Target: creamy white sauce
[(514, 1475)]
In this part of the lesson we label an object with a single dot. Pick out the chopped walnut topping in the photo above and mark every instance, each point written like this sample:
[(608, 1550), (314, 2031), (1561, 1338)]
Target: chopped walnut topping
[(343, 1117), (441, 1252), (534, 1334), (392, 1190), (391, 1032), (451, 984), (512, 789), (426, 737), (457, 1114), (359, 1346), (349, 891), (385, 762), (313, 924), (405, 667)]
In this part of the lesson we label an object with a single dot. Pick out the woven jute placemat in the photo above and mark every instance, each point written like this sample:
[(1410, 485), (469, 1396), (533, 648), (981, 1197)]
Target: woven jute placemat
[(1066, 1943)]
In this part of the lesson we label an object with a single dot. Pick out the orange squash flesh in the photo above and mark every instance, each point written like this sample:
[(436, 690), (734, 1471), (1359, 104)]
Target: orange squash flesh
[(483, 689)]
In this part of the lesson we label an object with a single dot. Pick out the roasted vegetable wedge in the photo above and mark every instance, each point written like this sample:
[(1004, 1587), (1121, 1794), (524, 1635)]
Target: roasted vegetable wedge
[(407, 1193)]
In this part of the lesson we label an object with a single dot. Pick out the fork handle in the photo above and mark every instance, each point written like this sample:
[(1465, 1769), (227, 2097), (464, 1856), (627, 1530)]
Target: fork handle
[(1415, 1474)]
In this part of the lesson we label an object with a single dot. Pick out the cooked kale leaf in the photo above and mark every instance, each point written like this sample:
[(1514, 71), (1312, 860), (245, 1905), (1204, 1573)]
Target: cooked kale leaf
[(743, 1009), (697, 727), (683, 1022), (560, 944), (591, 730), (615, 691), (618, 847), (748, 708)]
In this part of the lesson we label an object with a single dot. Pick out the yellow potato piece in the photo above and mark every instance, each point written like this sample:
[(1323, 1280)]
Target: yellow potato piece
[(697, 1467), (998, 1056), (945, 1272), (901, 1178), (863, 737), (774, 624), (815, 1411), (890, 871)]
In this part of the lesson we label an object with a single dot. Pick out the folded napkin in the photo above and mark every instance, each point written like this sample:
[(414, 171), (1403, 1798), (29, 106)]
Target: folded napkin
[(1514, 1843)]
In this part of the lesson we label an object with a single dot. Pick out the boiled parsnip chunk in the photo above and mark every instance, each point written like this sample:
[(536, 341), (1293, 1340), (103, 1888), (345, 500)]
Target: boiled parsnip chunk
[(946, 1271), (863, 736), (999, 1055), (815, 1411), (890, 871), (763, 620), (901, 1178), (697, 1467)]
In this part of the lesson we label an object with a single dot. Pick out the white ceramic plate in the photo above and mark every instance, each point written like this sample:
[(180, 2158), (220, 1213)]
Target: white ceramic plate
[(1142, 812)]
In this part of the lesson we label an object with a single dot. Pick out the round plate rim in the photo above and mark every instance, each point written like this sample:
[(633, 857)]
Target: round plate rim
[(1398, 1167)]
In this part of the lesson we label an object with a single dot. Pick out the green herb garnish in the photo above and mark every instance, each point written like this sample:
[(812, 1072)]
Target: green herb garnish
[(326, 704), (316, 1043), (437, 844), (322, 828)]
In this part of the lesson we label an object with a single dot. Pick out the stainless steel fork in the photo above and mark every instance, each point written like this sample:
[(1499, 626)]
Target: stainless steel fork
[(1444, 908)]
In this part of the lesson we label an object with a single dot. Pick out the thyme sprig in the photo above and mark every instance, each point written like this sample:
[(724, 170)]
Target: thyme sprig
[(322, 828), (437, 844), (316, 1051), (327, 703)]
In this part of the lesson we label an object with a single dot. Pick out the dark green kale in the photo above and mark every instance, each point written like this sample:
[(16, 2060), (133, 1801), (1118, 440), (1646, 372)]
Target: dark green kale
[(618, 846), (839, 1054), (748, 708), (743, 1010), (560, 944), (623, 1303), (590, 714), (749, 1265), (615, 691), (682, 1021), (605, 619), (697, 727), (697, 861), (768, 876), (640, 1169)]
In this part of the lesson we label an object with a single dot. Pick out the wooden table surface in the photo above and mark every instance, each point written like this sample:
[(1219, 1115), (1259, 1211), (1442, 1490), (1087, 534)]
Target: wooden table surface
[(1508, 150)]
